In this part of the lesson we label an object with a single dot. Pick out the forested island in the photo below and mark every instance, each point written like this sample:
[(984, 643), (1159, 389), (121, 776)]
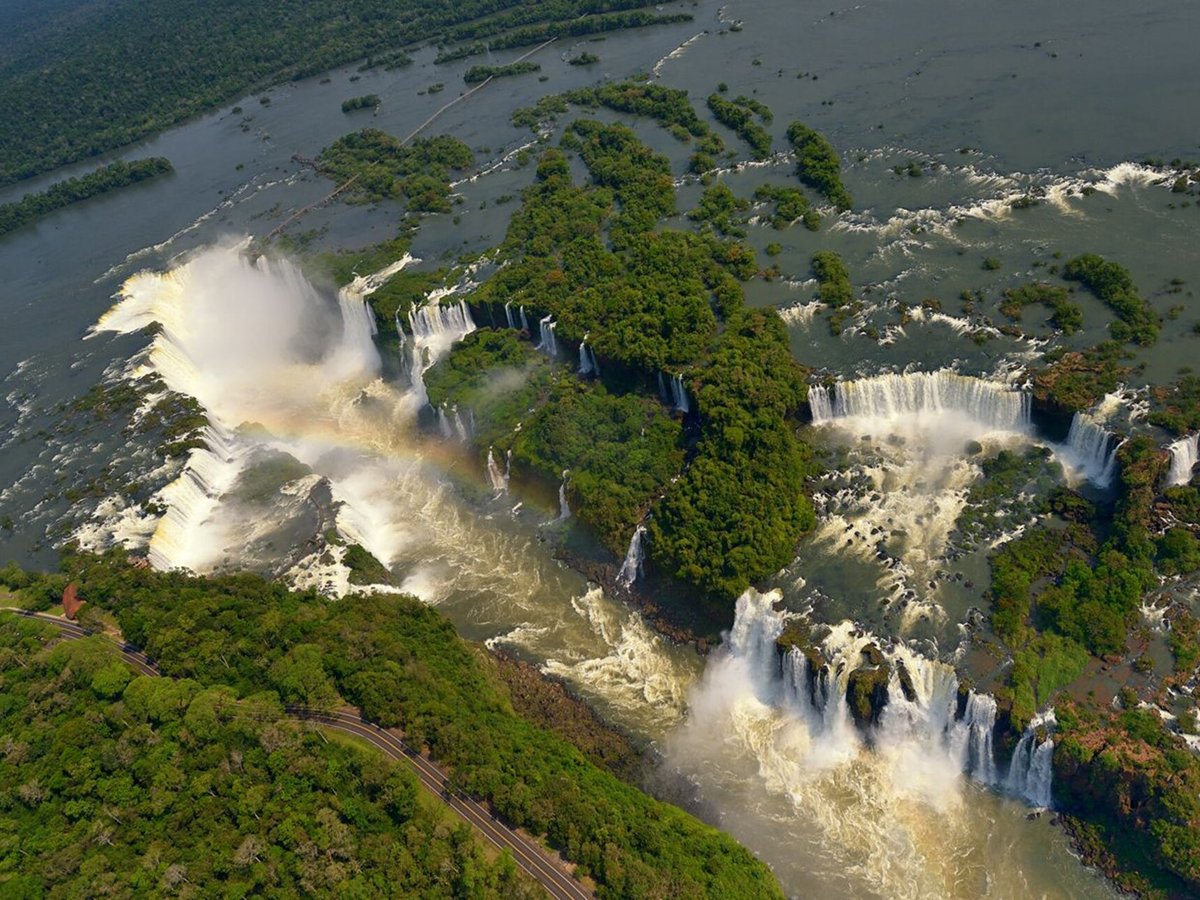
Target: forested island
[(109, 178)]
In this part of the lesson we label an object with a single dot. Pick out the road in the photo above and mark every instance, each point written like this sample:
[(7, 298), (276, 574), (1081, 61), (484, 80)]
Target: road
[(528, 854)]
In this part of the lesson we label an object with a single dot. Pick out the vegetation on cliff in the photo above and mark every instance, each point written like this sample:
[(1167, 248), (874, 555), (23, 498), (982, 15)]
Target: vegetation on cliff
[(123, 784), (655, 304), (403, 665)]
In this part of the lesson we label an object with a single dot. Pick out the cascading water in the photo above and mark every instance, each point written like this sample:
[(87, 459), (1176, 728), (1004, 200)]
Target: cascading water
[(444, 427), (548, 343), (915, 395), (435, 327), (631, 568), (564, 509), (679, 395), (525, 321), (461, 431), (1091, 449), (1031, 772), (1185, 453), (587, 359), (508, 316), (498, 479)]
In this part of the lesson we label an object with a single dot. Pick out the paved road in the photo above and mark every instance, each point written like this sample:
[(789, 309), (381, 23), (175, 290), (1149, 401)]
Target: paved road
[(528, 854)]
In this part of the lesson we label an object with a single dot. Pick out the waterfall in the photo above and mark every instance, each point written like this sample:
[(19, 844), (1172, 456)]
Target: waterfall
[(820, 403), (928, 724), (525, 321), (587, 359), (992, 404), (679, 396), (564, 509), (631, 568), (1030, 773), (444, 425), (1092, 450), (508, 314), (460, 427), (498, 479), (1185, 453), (662, 389), (435, 327), (548, 344)]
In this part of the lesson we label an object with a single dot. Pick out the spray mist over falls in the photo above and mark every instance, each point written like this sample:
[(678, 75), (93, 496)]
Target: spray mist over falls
[(892, 807)]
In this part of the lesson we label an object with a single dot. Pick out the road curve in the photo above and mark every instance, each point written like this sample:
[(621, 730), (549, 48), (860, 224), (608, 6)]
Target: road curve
[(529, 855)]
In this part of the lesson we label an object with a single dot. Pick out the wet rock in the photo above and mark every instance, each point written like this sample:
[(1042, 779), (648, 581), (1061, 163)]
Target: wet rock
[(906, 683), (867, 694)]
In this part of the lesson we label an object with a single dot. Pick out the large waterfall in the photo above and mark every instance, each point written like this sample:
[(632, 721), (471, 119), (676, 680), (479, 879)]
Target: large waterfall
[(916, 395), (922, 726), (435, 327), (1091, 449), (1185, 453)]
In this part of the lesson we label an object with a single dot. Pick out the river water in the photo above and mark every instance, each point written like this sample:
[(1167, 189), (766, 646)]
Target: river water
[(313, 431)]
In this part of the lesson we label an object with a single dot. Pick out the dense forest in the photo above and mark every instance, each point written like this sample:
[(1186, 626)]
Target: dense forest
[(254, 642), (119, 784), (72, 190), (83, 86), (652, 305)]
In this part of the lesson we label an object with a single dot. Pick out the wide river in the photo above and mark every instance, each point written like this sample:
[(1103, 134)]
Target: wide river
[(991, 101)]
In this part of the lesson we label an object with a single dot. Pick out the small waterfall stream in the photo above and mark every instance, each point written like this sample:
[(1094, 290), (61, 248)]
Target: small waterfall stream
[(631, 568), (1185, 453)]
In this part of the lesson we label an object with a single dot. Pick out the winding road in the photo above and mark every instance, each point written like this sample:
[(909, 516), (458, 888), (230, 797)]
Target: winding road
[(529, 855)]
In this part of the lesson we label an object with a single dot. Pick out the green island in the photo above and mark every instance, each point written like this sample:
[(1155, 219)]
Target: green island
[(366, 101), (112, 177), (478, 74), (236, 648)]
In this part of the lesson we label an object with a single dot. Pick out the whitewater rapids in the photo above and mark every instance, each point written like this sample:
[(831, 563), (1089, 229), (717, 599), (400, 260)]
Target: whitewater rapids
[(290, 381)]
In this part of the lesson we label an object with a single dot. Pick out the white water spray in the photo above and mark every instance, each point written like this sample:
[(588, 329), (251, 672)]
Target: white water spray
[(498, 479), (923, 395), (1091, 450), (1030, 773), (631, 568), (1185, 453)]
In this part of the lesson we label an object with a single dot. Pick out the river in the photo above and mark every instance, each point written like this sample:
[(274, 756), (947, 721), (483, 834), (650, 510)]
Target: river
[(1042, 101)]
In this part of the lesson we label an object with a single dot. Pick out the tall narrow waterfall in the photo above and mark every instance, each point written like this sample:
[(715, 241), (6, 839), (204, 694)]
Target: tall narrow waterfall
[(1030, 773), (587, 359), (992, 404), (525, 321), (679, 395), (1092, 450), (631, 568), (548, 343), (498, 479), (564, 509), (508, 316), (1185, 454)]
